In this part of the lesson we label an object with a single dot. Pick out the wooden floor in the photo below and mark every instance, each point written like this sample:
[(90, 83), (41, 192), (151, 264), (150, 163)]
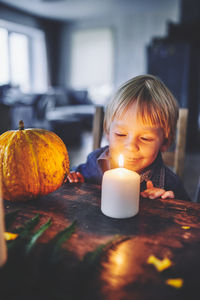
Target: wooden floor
[(79, 151)]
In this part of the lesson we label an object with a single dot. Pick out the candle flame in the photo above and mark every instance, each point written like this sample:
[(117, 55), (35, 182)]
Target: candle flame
[(121, 160)]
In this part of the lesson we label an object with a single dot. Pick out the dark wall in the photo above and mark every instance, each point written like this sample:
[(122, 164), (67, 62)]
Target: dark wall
[(176, 60), (190, 11), (53, 31), (14, 15)]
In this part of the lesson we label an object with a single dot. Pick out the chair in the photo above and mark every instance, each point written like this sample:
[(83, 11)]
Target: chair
[(97, 128), (197, 194), (173, 159)]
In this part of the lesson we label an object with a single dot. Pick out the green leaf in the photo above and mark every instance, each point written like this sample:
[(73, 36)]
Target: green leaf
[(62, 236), (37, 234), (24, 231), (29, 225)]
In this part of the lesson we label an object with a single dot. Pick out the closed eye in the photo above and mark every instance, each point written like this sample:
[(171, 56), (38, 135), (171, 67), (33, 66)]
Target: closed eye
[(146, 139), (120, 134)]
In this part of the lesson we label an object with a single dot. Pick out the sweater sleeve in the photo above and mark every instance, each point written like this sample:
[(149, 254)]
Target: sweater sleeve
[(90, 170)]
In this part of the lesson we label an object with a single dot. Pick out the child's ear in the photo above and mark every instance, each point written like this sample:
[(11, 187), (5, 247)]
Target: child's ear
[(165, 145)]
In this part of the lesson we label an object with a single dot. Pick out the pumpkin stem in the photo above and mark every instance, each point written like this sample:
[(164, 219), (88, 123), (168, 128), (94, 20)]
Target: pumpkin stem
[(21, 125)]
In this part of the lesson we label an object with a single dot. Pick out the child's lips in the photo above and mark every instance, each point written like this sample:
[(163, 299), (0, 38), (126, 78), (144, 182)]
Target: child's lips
[(133, 159)]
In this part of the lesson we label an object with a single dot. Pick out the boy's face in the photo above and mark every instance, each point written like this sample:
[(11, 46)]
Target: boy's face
[(138, 143)]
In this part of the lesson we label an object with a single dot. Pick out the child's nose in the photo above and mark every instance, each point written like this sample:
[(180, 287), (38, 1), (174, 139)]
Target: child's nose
[(132, 145)]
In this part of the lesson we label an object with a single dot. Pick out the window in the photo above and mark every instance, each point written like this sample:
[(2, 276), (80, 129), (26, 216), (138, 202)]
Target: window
[(4, 62), (22, 57), (92, 62), (19, 60)]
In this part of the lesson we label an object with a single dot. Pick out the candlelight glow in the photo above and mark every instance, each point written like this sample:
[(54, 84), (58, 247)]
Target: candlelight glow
[(116, 270), (121, 161), (124, 264)]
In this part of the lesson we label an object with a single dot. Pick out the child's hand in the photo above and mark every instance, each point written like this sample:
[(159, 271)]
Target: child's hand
[(75, 177), (153, 192)]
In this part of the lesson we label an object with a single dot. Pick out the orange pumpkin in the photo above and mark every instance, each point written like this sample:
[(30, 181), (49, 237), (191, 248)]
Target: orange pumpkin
[(33, 162)]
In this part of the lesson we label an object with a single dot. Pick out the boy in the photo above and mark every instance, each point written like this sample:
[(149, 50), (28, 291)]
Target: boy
[(140, 123)]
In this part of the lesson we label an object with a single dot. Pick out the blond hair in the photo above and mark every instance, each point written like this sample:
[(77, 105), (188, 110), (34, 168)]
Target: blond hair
[(155, 104)]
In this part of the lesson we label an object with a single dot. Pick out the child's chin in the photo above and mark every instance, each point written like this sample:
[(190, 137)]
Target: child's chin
[(132, 168)]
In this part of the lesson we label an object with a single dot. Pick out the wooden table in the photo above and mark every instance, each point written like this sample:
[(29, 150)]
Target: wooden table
[(163, 228)]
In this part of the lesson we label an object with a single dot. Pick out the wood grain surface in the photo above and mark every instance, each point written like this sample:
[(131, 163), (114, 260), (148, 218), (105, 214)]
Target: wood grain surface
[(163, 228)]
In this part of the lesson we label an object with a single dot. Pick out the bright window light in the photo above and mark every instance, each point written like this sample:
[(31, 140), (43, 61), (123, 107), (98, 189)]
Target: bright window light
[(19, 60), (23, 58), (92, 60), (39, 67), (4, 62)]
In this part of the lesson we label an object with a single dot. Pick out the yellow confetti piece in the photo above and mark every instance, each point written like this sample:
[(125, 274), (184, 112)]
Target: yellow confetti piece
[(10, 236), (185, 227), (175, 282), (160, 265)]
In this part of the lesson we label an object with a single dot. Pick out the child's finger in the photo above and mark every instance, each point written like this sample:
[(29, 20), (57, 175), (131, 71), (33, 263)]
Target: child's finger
[(152, 193), (80, 176), (72, 177), (168, 194), (75, 177), (69, 177), (149, 184), (155, 193), (144, 194)]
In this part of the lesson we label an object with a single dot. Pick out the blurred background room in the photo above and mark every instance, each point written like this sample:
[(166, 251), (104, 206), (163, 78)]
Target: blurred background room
[(61, 58)]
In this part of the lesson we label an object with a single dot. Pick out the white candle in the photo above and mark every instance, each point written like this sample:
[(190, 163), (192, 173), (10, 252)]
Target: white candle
[(120, 193), (3, 248)]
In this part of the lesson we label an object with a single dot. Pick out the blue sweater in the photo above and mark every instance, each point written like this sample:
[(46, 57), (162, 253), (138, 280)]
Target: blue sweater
[(157, 172)]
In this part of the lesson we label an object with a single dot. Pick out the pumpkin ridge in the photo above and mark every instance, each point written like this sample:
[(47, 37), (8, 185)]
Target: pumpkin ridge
[(52, 147), (4, 157), (50, 144), (17, 132), (51, 134), (5, 134), (37, 133), (34, 162), (35, 158)]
